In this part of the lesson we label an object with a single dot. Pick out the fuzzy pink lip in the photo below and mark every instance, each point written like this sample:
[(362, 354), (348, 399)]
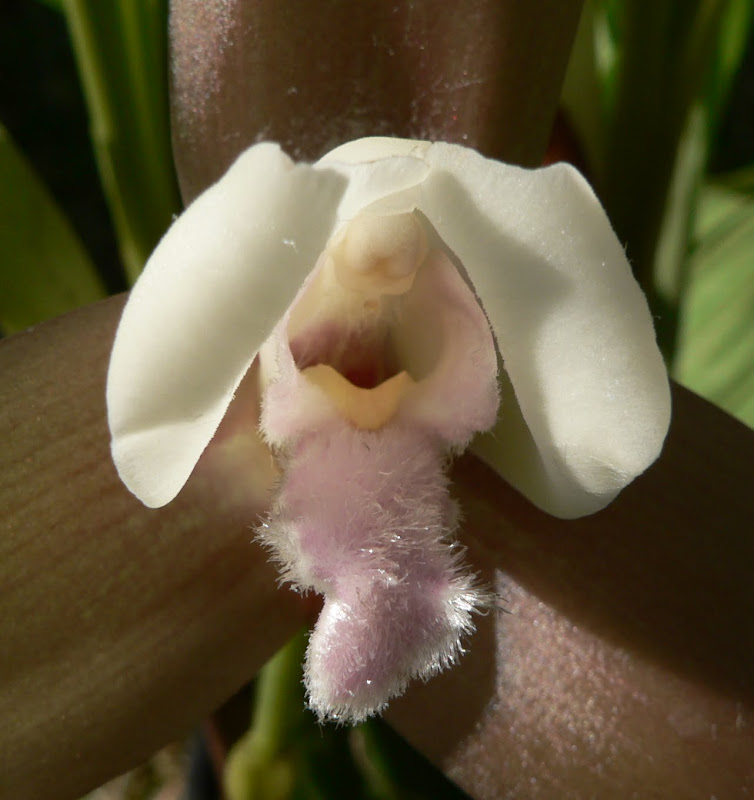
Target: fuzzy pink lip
[(364, 517), (366, 395)]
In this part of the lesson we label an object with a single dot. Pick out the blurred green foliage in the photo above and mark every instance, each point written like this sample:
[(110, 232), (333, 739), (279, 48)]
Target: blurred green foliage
[(647, 91), (121, 52), (715, 352), (45, 271)]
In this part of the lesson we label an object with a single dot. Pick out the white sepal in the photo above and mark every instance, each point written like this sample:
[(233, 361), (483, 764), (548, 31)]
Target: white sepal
[(211, 293), (586, 398)]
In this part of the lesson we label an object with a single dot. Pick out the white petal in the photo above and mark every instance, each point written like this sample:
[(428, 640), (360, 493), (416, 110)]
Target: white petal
[(589, 404), (372, 148), (214, 288), (389, 185), (571, 324)]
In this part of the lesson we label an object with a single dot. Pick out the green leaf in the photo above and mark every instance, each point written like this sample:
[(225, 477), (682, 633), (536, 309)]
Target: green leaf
[(583, 94), (45, 270), (715, 354), (674, 62), (121, 52), (733, 36)]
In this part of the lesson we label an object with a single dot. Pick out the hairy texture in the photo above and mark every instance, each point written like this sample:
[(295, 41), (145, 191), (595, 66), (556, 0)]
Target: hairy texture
[(366, 391), (365, 519)]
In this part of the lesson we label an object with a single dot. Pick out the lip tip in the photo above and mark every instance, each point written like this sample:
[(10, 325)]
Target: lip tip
[(366, 409)]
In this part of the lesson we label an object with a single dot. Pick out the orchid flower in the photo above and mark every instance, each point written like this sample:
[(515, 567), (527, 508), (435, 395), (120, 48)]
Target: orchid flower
[(390, 293)]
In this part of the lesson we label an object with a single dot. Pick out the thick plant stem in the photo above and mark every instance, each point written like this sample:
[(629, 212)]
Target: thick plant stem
[(121, 626), (486, 74)]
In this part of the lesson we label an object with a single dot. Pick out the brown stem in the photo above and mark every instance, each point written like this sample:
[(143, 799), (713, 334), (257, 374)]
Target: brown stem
[(312, 75), (121, 626), (624, 665)]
